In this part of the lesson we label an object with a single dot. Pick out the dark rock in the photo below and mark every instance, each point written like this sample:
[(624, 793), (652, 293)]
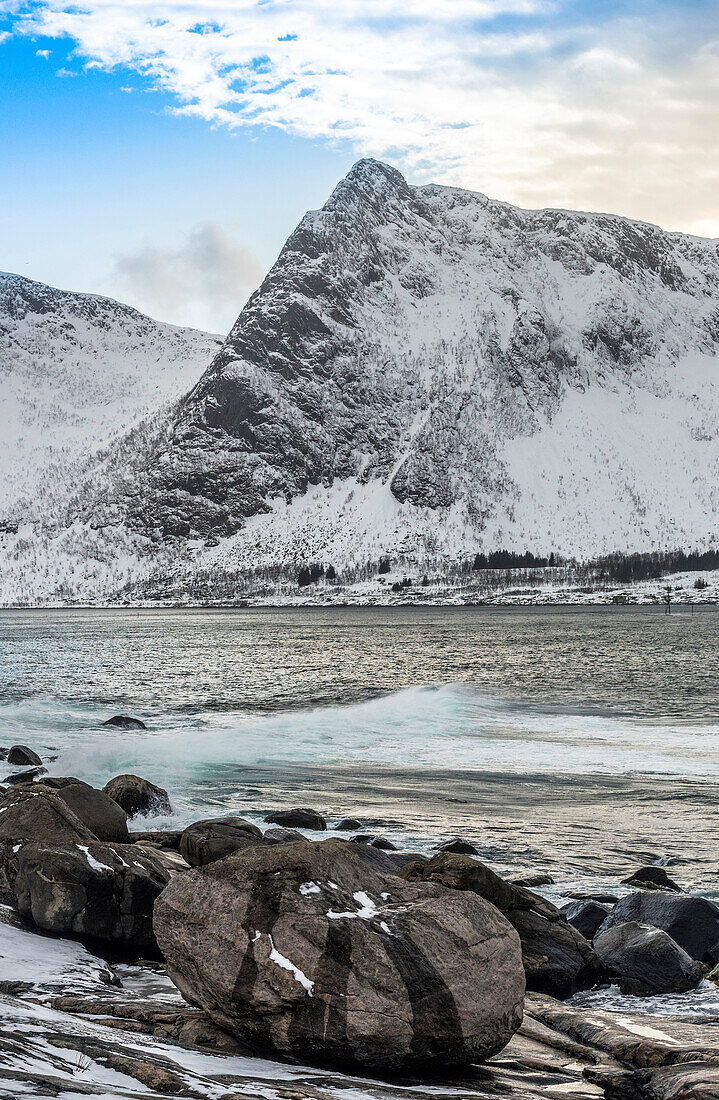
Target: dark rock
[(28, 776), (645, 960), (283, 836), (652, 878), (608, 899), (532, 879), (39, 816), (404, 859), (348, 825), (585, 916), (557, 959), (124, 722), (271, 950), (298, 819), (138, 796), (205, 842), (99, 890), (458, 846), (167, 840), (102, 815), (692, 922), (21, 755)]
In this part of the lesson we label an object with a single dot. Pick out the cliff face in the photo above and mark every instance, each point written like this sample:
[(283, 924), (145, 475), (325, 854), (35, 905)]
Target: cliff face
[(529, 377)]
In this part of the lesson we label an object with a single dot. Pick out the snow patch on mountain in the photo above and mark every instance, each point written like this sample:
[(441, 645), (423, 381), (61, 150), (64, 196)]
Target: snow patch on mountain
[(76, 371)]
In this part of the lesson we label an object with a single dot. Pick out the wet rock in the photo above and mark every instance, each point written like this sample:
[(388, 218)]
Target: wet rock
[(532, 879), (124, 722), (692, 922), (165, 839), (22, 756), (100, 813), (38, 815), (405, 859), (645, 960), (93, 889), (283, 836), (459, 846), (319, 953), (557, 959), (28, 776), (348, 825), (207, 841), (138, 796), (298, 819), (652, 878), (585, 916)]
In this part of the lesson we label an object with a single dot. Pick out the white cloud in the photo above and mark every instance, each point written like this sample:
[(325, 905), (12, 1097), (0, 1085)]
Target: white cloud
[(523, 99), (203, 282), (43, 53)]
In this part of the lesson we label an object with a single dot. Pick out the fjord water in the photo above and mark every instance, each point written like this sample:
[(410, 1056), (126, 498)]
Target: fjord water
[(583, 742)]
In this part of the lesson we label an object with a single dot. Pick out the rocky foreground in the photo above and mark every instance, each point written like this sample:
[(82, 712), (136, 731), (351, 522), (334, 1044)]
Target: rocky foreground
[(223, 960)]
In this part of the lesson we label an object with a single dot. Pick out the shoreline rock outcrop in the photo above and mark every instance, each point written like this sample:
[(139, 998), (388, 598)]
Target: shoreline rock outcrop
[(321, 953)]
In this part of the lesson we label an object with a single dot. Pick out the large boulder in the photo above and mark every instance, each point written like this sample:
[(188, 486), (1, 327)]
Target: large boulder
[(298, 819), (692, 922), (138, 796), (100, 890), (29, 775), (586, 916), (459, 846), (557, 959), (645, 960), (37, 814), (23, 757), (320, 953), (102, 815), (207, 841)]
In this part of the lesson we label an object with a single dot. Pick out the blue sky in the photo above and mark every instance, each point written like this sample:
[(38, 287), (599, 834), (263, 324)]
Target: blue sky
[(162, 152)]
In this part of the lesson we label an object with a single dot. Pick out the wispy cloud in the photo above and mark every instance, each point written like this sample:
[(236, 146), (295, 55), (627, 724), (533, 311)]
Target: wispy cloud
[(204, 281), (604, 105)]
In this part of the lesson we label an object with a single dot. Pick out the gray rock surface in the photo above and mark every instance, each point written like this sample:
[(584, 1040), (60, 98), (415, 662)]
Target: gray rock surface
[(204, 842), (692, 922), (646, 961), (93, 889), (301, 818), (320, 953), (138, 796)]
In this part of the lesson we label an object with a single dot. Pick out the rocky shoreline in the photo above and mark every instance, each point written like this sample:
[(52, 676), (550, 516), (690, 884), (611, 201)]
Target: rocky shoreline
[(223, 959)]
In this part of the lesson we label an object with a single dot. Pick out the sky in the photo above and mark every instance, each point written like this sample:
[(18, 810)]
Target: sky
[(161, 152)]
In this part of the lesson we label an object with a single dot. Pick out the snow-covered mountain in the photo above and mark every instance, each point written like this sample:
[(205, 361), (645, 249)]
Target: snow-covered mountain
[(426, 369), (77, 371), (424, 372)]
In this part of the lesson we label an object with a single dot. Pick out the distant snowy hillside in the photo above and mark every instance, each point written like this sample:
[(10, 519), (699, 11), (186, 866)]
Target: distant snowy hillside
[(428, 370), (76, 371)]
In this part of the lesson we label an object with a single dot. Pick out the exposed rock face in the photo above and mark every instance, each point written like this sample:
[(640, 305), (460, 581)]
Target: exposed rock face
[(125, 722), (459, 846), (320, 953), (207, 841), (138, 796), (22, 756), (646, 960), (431, 347), (298, 819), (652, 878), (101, 890), (586, 916), (100, 813), (691, 922), (557, 959), (39, 815)]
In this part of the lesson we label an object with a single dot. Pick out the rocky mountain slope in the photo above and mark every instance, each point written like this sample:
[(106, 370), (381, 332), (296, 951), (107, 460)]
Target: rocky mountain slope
[(76, 371), (425, 370)]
